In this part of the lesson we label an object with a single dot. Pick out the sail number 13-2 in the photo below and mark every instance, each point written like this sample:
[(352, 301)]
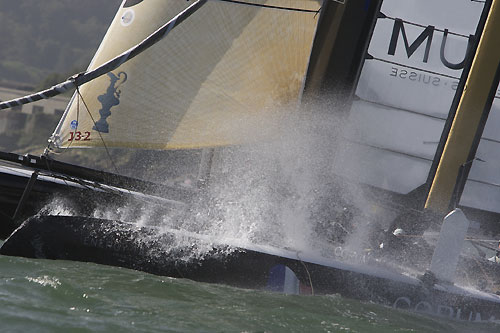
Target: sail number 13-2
[(79, 136)]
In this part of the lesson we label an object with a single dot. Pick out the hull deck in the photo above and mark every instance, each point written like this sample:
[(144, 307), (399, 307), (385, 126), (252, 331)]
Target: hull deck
[(181, 255)]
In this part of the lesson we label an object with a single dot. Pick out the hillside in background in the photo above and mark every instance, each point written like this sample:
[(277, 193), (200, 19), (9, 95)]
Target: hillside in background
[(40, 38), (42, 43)]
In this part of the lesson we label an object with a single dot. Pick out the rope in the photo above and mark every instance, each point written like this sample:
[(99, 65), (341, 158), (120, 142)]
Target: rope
[(77, 116), (478, 249), (384, 16), (309, 275), (470, 239), (485, 275), (100, 135)]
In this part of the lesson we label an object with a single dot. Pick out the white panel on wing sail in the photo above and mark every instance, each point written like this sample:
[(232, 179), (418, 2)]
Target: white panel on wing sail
[(405, 90)]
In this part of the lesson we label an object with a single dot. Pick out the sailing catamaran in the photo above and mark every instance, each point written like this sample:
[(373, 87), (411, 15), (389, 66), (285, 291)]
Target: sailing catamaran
[(218, 74)]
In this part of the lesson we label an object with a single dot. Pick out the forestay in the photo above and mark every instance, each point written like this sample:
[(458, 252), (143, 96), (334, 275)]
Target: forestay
[(214, 78)]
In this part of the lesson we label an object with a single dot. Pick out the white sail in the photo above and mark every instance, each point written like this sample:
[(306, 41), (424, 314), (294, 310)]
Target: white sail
[(405, 91), (219, 72)]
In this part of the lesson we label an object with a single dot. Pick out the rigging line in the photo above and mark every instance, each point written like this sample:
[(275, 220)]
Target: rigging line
[(478, 243), (308, 274), (472, 239), (416, 68), (74, 133), (239, 2), (71, 142), (486, 275), (77, 117), (421, 25), (77, 181), (86, 184), (95, 186), (478, 249), (100, 135)]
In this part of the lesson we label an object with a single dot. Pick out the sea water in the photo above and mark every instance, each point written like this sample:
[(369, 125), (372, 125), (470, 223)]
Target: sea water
[(262, 194), (62, 296)]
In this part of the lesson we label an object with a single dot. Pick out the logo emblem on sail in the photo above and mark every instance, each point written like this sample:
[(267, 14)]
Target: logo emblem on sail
[(127, 17), (108, 100), (73, 125)]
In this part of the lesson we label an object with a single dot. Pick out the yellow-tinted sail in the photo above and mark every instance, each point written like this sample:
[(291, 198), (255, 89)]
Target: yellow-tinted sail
[(212, 77)]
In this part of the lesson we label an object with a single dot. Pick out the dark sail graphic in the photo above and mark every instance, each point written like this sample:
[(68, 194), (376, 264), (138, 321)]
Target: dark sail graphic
[(130, 3), (108, 100)]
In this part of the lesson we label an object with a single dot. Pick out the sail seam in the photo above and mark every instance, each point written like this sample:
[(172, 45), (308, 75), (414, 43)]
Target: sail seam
[(394, 108), (391, 107), (490, 140), (270, 6), (388, 149), (482, 182)]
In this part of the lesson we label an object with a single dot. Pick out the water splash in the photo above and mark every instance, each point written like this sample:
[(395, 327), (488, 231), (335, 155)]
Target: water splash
[(58, 206), (280, 191), (45, 280)]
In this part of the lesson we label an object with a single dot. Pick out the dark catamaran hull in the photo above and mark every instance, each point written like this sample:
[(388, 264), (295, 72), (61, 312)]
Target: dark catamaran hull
[(28, 183), (170, 253), (19, 199)]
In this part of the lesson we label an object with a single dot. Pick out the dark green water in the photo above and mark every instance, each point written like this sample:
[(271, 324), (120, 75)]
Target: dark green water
[(62, 296)]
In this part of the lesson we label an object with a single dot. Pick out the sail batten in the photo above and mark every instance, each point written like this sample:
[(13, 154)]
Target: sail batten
[(218, 79)]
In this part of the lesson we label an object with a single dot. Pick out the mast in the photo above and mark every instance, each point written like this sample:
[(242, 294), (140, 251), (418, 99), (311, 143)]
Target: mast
[(456, 99), (340, 46), (471, 115)]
